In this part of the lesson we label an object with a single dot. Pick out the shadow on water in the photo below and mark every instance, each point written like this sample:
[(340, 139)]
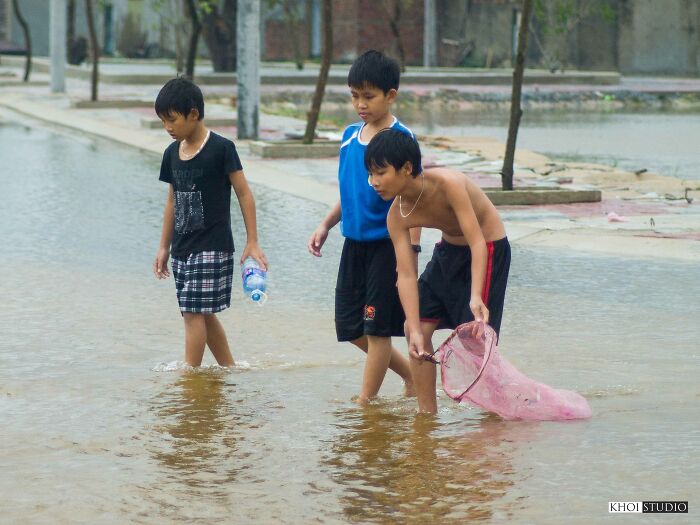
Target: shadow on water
[(394, 467)]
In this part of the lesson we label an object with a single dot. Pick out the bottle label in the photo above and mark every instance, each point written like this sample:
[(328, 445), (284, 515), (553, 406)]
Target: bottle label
[(253, 271)]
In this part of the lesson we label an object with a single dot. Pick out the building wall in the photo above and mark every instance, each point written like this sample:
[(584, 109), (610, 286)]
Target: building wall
[(358, 25), (659, 37), (37, 13), (474, 33), (4, 19)]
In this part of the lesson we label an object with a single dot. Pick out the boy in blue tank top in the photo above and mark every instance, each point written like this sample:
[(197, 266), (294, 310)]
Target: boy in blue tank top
[(367, 307)]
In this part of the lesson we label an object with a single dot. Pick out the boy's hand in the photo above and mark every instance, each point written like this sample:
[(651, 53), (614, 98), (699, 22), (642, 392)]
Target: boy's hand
[(481, 314), (160, 265), (416, 347), (317, 239), (252, 249)]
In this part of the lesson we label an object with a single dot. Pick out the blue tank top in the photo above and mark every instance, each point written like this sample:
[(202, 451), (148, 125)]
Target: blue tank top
[(363, 212)]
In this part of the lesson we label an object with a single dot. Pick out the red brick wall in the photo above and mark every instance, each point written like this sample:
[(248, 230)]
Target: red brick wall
[(358, 25)]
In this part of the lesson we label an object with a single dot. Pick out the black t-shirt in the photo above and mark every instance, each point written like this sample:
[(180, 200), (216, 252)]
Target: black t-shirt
[(202, 196)]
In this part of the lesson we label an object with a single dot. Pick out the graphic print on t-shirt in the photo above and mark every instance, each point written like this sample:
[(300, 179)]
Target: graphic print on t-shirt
[(189, 212)]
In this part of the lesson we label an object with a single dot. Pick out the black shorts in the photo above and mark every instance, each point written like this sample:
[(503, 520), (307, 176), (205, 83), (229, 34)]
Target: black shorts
[(366, 298), (445, 285)]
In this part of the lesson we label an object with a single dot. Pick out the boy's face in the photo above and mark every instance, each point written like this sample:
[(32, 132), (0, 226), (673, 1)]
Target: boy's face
[(179, 126), (371, 103), (387, 181)]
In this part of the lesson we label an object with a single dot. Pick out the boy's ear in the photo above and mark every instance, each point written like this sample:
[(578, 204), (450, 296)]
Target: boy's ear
[(391, 95), (193, 114), (407, 168)]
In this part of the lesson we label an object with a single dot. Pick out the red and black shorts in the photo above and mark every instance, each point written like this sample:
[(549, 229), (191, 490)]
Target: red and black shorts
[(366, 298), (444, 287)]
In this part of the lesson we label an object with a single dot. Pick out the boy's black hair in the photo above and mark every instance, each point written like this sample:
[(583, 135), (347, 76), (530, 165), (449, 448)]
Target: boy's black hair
[(391, 147), (179, 95), (373, 68)]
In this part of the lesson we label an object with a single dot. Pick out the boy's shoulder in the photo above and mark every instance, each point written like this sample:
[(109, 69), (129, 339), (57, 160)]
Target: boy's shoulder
[(220, 139), (400, 126), (170, 148), (351, 132)]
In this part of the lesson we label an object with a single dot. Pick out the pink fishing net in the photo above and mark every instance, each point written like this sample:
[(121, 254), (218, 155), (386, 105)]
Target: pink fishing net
[(473, 371)]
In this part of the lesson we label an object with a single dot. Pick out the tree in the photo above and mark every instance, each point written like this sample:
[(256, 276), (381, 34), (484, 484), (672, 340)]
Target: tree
[(393, 8), (219, 33), (77, 47), (27, 40), (194, 38), (557, 21), (515, 111), (326, 57), (291, 16), (94, 49), (293, 19)]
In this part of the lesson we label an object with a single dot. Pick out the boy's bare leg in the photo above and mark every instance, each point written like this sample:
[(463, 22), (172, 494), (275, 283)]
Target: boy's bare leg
[(217, 342), (425, 373), (376, 365), (195, 338), (398, 364)]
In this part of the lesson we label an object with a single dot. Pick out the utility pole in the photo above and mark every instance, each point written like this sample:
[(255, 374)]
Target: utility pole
[(247, 69), (58, 45), (429, 34)]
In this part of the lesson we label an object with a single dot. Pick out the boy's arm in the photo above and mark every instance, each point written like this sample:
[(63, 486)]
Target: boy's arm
[(407, 282), (320, 234), (415, 241), (458, 198), (247, 203), (160, 265)]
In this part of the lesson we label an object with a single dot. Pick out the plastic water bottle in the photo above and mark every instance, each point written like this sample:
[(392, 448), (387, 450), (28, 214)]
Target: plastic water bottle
[(254, 280)]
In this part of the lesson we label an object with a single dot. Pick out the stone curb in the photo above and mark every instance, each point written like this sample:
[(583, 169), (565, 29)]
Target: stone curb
[(295, 149), (337, 76)]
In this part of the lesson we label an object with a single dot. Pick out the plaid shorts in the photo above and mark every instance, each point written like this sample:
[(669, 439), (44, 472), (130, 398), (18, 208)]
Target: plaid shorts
[(203, 281)]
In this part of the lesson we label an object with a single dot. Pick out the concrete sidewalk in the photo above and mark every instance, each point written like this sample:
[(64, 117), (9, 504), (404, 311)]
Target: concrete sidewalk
[(673, 233)]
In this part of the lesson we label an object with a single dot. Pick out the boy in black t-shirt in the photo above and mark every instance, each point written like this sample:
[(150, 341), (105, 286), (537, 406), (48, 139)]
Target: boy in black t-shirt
[(200, 168)]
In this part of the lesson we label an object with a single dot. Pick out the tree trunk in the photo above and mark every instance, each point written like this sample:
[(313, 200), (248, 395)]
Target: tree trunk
[(194, 39), (326, 56), (94, 48), (515, 111), (27, 40), (70, 31), (395, 24), (293, 25), (219, 33)]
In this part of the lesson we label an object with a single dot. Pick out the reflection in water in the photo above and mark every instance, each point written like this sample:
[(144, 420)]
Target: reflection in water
[(396, 467), (199, 437)]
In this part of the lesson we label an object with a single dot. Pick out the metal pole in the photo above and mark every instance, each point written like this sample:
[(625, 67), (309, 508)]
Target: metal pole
[(429, 34), (247, 69), (58, 45)]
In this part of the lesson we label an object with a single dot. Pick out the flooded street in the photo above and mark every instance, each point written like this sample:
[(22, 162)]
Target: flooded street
[(101, 424)]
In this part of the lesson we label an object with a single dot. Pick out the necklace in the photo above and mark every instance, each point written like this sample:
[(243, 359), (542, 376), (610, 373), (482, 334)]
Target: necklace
[(189, 156), (422, 187)]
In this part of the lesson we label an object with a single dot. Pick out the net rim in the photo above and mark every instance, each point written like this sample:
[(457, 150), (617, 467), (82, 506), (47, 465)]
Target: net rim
[(489, 345)]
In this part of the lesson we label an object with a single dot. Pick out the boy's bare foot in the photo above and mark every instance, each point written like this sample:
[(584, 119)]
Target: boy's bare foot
[(361, 401)]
